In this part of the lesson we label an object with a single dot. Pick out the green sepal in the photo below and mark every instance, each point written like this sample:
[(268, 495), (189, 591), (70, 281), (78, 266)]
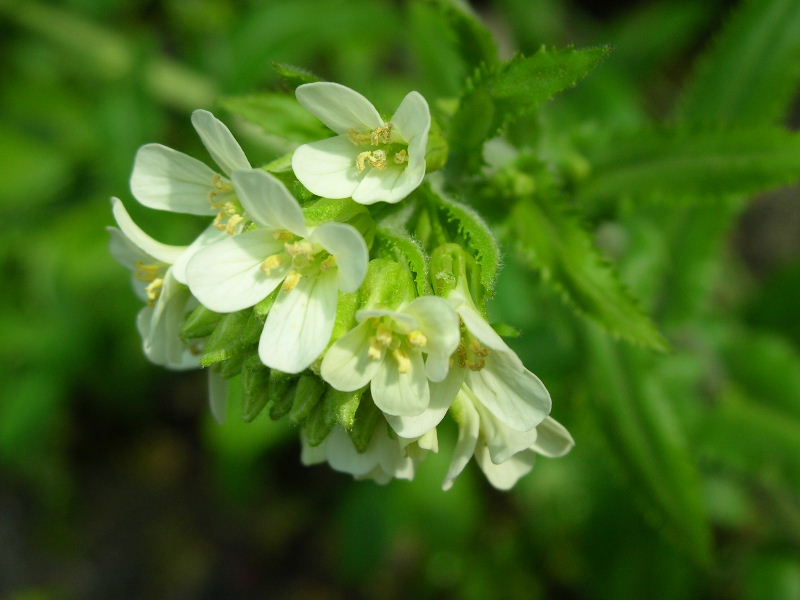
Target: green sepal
[(199, 323), (324, 210), (280, 393), (407, 249), (293, 76), (438, 149), (388, 284), (255, 387), (451, 267), (336, 407), (261, 310), (228, 338), (366, 420), (345, 315), (232, 366), (505, 330), (307, 395), (282, 164)]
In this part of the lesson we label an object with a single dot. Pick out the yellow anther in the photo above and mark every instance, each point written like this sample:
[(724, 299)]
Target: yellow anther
[(476, 348), (417, 338), (383, 335), (146, 272), (283, 235), (377, 159), (401, 157), (302, 248), (291, 281), (359, 138), (218, 186), (233, 223), (218, 221), (361, 160), (375, 351), (271, 263), (403, 362), (328, 264), (381, 135), (153, 290)]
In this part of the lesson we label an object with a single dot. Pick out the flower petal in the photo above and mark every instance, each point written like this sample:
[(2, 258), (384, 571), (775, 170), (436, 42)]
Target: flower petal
[(210, 235), (468, 429), (505, 475), (442, 396), (227, 276), (311, 455), (439, 322), (349, 249), (403, 322), (402, 394), (347, 365), (300, 324), (219, 142), (268, 202), (328, 167), (166, 179), (412, 119), (502, 441), (338, 106), (554, 440), (162, 343), (478, 326), (389, 185), (161, 252), (124, 251), (515, 396), (343, 456), (217, 396)]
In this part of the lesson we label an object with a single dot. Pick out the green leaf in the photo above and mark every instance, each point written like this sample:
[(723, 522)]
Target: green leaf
[(294, 76), (277, 114), (495, 97), (404, 248), (475, 42), (553, 242), (200, 323), (752, 71), (638, 423), (680, 163), (255, 386), (307, 394), (474, 232)]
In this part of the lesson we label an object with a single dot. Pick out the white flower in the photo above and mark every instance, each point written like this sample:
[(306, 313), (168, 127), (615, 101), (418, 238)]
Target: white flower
[(168, 301), (313, 265), (384, 458), (370, 160), (386, 349), (166, 179), (503, 454)]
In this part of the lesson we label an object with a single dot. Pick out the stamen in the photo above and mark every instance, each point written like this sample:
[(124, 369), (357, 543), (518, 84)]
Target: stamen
[(302, 248), (291, 281), (401, 157), (233, 223), (383, 335), (283, 235), (403, 362), (146, 273), (328, 264), (375, 158), (381, 135), (219, 186), (153, 290), (271, 263), (417, 338), (361, 160), (375, 349)]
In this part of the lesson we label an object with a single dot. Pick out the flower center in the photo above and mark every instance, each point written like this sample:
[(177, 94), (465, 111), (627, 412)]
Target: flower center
[(301, 257), (153, 275), (387, 338), (470, 354), (387, 148), (229, 216)]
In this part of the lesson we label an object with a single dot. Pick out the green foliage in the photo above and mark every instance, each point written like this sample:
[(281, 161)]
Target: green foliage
[(553, 242), (751, 73), (277, 114), (475, 42), (336, 407), (293, 76), (678, 164), (405, 248)]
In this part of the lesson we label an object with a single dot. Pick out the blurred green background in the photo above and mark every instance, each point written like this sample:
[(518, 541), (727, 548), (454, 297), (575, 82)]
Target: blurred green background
[(114, 481)]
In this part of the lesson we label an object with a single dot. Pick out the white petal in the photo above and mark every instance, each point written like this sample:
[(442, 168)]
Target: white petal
[(346, 365), (402, 394), (161, 252), (311, 455), (227, 276), (163, 341), (124, 251), (412, 119), (403, 322), (502, 441), (343, 456), (388, 185), (300, 324), (166, 179), (439, 322), (478, 326), (468, 428), (328, 167), (505, 475), (268, 202), (210, 235), (515, 396), (442, 396), (349, 249), (339, 107), (217, 396), (219, 142), (554, 440)]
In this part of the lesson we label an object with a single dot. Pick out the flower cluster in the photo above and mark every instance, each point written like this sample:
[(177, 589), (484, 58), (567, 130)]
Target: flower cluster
[(330, 311)]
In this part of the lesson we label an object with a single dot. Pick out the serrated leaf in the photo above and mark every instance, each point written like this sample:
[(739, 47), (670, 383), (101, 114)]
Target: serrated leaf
[(277, 114), (475, 233), (641, 430), (553, 242), (685, 163), (406, 249), (752, 71), (293, 76), (495, 97), (307, 394), (475, 42)]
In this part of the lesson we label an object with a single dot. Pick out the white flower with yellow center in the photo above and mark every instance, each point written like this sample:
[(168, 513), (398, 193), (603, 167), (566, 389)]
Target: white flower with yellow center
[(386, 350), (503, 454), (168, 301), (166, 179), (312, 265), (369, 160)]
